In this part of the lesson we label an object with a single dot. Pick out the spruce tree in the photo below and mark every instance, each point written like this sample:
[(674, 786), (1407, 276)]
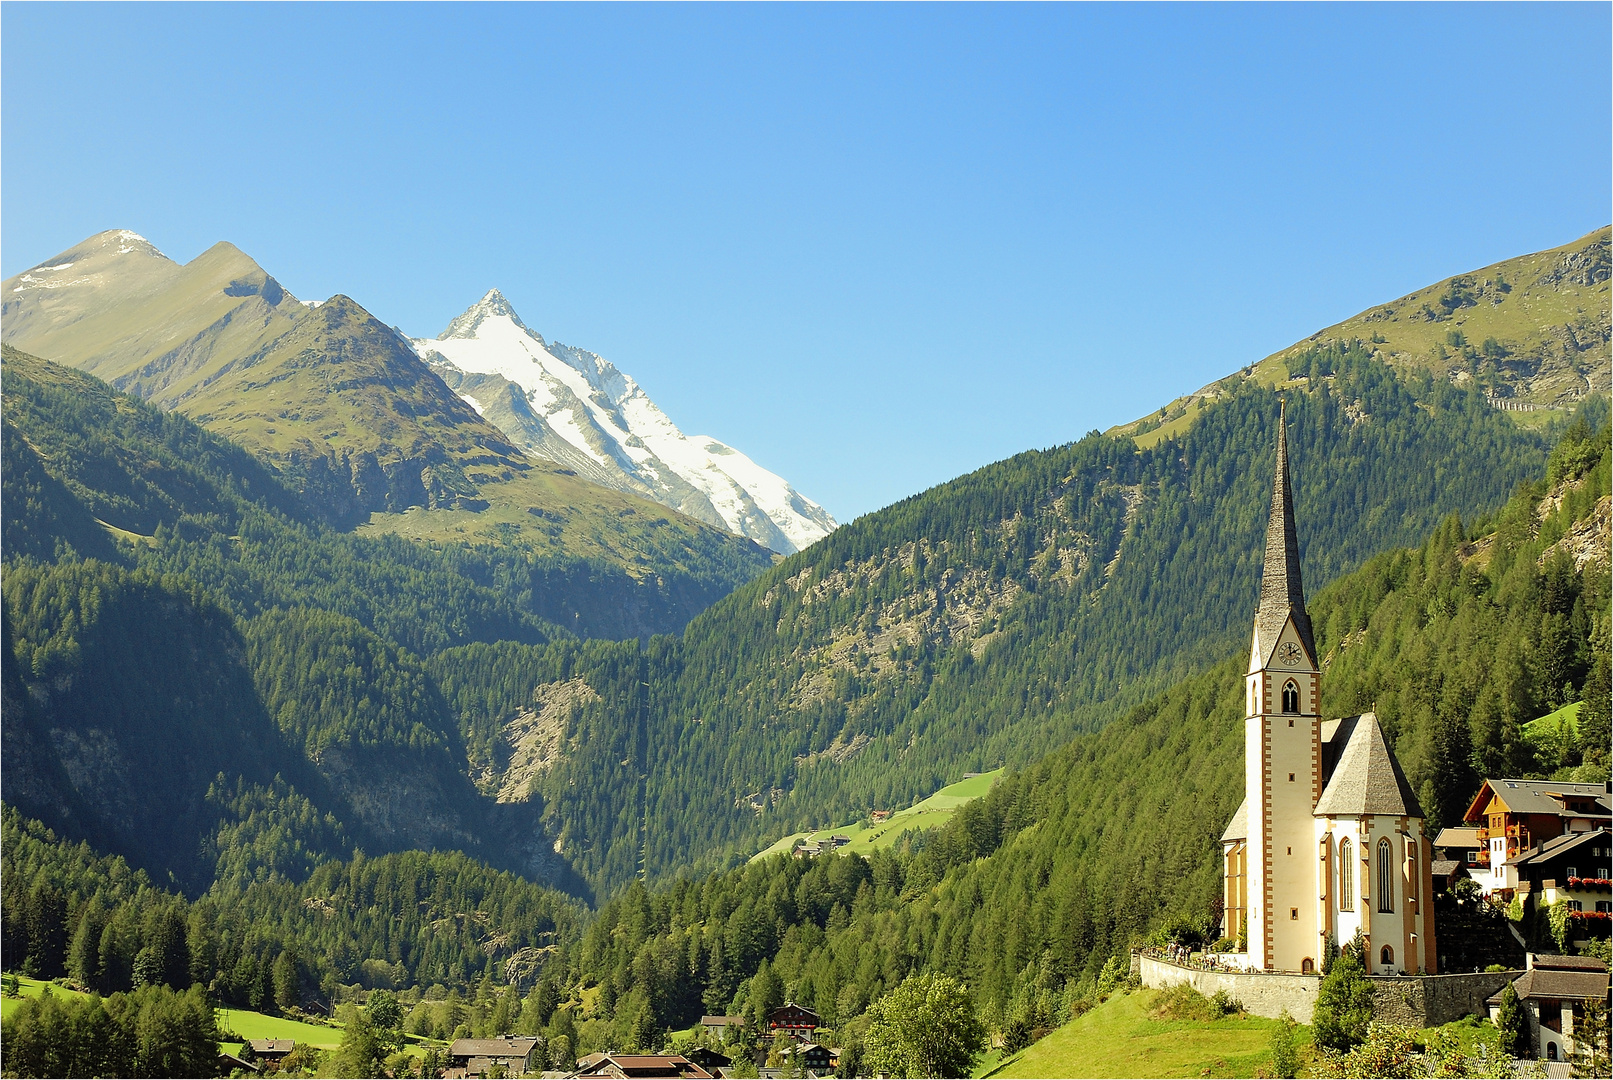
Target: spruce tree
[(1514, 1026), (1344, 1002)]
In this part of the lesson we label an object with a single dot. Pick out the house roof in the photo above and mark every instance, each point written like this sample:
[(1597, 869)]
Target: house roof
[(1558, 985), (271, 1046), (722, 1021), (1444, 868), (1238, 827), (1535, 797), (1457, 837), (1367, 778), (641, 1065), (793, 1015), (1282, 593), (518, 1046), (1557, 846), (1560, 962)]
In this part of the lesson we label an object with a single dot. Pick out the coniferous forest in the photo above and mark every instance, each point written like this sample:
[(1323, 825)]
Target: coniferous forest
[(258, 762)]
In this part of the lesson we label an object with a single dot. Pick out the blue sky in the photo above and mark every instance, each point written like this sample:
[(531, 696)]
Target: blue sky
[(874, 247)]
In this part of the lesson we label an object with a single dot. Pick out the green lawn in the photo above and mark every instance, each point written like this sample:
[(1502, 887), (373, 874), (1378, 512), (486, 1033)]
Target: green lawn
[(255, 1025), (1120, 1039), (929, 813), (243, 1022), (1568, 714), (33, 988)]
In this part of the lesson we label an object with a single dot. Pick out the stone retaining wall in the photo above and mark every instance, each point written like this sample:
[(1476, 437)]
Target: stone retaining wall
[(1431, 1000), (1408, 1000), (1259, 993)]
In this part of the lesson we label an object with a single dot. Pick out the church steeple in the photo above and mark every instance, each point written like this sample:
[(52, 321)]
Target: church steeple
[(1281, 591)]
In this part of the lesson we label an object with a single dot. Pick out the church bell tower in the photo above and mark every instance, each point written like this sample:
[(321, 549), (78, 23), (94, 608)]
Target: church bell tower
[(1282, 748)]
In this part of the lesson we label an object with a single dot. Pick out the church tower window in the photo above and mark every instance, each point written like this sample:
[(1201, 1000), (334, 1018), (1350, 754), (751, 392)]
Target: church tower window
[(1387, 956), (1386, 878), (1346, 876), (1290, 696)]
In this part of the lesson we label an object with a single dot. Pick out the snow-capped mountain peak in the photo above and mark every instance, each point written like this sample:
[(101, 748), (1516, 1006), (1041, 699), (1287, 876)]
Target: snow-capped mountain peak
[(491, 306), (574, 407)]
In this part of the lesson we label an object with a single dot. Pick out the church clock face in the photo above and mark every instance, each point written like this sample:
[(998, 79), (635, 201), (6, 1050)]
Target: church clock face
[(1289, 654)]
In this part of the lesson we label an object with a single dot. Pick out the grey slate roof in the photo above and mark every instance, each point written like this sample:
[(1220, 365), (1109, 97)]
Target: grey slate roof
[(1367, 778), (1534, 796), (511, 1046), (1560, 962), (1556, 985), (1281, 591), (1238, 827), (1547, 850)]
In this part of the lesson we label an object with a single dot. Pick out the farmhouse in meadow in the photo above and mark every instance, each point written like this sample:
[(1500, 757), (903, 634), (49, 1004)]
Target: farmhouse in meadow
[(1329, 839)]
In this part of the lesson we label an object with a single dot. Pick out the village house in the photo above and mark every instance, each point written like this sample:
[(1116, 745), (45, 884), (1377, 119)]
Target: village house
[(1329, 840), (1458, 844), (510, 1054), (645, 1066), (794, 1021), (813, 1057), (1553, 992), (269, 1053), (1512, 819), (722, 1027), (709, 1059)]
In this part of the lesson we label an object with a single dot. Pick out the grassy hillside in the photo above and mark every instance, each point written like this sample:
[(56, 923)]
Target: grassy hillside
[(866, 835), (1530, 332), (338, 402), (1131, 1036)]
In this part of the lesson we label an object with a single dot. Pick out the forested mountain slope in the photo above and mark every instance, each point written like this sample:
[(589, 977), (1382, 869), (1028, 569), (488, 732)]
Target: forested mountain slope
[(173, 618), (1026, 894), (1029, 890), (989, 619), (356, 424)]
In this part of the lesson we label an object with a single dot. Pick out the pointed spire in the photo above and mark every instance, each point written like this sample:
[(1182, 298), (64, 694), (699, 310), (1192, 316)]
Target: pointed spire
[(1281, 590)]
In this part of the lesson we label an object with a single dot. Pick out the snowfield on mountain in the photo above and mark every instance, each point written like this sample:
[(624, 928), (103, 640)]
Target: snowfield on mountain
[(574, 407)]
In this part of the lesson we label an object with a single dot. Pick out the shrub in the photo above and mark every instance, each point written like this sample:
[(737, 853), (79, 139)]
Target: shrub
[(1284, 1059)]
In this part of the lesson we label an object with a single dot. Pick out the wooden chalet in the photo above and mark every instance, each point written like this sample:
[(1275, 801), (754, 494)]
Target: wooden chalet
[(271, 1052), (478, 1057), (625, 1066), (1511, 817), (794, 1021)]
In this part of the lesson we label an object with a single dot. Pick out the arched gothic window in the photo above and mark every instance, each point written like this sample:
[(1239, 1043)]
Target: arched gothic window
[(1290, 696), (1387, 956), (1346, 875), (1386, 875)]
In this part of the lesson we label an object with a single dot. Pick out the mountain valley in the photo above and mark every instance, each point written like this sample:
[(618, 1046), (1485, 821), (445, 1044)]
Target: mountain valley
[(335, 661)]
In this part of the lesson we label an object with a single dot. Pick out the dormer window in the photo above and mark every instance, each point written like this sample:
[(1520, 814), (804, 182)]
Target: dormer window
[(1290, 696)]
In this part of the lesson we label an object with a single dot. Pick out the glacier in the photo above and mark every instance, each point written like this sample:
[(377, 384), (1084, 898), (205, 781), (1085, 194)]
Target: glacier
[(575, 408)]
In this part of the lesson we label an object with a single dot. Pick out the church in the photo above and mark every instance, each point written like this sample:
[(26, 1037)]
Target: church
[(1329, 839)]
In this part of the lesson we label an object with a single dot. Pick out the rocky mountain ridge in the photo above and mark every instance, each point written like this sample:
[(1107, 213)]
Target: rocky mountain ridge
[(339, 403), (576, 408)]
